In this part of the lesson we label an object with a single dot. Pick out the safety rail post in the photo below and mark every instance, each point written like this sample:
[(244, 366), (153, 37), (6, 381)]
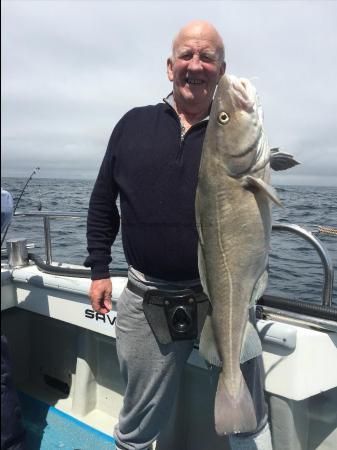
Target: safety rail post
[(47, 239)]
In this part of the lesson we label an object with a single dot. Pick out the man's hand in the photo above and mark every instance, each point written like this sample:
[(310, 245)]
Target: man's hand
[(100, 295)]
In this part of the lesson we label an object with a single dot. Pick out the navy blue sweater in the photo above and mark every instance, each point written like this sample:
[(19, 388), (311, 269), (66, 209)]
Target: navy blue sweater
[(155, 173)]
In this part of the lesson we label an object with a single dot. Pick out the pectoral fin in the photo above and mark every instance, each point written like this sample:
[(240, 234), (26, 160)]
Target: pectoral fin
[(280, 160), (264, 187)]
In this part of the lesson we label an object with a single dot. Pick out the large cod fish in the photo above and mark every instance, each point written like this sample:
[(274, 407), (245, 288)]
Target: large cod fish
[(233, 215)]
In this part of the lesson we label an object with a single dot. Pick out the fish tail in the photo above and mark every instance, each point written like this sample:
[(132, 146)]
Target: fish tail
[(234, 414)]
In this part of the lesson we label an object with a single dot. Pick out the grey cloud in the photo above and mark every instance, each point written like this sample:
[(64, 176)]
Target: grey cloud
[(71, 69)]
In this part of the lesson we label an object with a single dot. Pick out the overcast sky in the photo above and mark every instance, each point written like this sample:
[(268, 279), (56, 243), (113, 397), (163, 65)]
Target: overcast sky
[(71, 69)]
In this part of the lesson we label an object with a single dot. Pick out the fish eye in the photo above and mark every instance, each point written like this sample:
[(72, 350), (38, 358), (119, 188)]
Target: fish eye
[(223, 118)]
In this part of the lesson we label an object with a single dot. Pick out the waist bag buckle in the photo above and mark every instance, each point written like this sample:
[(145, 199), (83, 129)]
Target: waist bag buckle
[(175, 315)]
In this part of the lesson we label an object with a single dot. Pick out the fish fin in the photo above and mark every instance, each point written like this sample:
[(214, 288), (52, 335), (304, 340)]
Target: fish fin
[(264, 187), (199, 228), (259, 288), (233, 414), (280, 160), (251, 344), (202, 269), (207, 344)]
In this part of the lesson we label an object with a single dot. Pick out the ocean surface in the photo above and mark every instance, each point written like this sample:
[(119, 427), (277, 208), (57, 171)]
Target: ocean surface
[(295, 270)]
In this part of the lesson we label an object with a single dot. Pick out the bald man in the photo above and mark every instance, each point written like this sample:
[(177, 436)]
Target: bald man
[(152, 162), (195, 67)]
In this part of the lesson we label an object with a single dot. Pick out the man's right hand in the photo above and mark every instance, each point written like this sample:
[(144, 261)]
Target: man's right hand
[(100, 295)]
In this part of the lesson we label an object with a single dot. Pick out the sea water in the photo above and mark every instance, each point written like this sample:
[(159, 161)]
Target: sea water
[(295, 270)]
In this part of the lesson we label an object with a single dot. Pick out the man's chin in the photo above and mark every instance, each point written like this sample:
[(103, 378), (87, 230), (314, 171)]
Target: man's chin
[(193, 100), (195, 95)]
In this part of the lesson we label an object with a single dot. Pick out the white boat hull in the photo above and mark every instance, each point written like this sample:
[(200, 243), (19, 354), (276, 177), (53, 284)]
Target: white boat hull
[(64, 354)]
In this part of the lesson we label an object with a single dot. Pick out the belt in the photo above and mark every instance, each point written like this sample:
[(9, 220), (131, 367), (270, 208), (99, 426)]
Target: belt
[(141, 289)]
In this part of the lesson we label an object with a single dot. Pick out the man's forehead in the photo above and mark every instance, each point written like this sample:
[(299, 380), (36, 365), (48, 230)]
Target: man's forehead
[(192, 43), (199, 36)]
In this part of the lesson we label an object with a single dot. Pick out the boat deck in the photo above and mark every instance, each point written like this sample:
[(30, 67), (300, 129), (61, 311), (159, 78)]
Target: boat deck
[(48, 428)]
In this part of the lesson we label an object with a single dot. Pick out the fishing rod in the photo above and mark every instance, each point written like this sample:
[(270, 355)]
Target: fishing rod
[(18, 200)]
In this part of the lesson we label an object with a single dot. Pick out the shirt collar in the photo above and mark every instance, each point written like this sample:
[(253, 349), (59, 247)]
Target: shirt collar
[(169, 100)]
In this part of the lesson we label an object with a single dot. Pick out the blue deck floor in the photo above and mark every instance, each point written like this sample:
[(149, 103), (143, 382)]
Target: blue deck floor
[(48, 428)]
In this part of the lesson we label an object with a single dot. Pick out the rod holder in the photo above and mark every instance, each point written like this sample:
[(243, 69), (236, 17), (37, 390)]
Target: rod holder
[(17, 252)]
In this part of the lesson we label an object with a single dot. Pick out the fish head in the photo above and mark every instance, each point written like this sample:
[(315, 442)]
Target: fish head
[(236, 123)]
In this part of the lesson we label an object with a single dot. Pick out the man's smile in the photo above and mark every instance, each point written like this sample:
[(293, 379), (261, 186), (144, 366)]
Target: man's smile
[(193, 81)]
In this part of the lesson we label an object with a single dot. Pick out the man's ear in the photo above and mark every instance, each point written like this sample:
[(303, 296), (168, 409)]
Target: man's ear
[(169, 67), (223, 68)]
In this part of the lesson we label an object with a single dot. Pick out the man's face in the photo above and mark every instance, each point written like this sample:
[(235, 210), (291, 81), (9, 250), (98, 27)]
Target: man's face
[(195, 70)]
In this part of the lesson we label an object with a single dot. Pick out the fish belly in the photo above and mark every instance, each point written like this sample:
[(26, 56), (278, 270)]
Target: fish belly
[(232, 256)]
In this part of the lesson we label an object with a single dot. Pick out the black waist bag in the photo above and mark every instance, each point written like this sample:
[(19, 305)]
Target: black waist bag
[(175, 315)]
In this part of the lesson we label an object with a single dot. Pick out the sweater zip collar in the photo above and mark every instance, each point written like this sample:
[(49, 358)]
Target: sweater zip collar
[(169, 100)]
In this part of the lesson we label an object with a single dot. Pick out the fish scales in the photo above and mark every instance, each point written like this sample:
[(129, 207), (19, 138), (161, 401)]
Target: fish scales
[(233, 216)]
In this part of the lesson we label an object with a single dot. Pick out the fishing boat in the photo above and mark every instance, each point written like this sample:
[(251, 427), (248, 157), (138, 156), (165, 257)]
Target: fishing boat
[(66, 370)]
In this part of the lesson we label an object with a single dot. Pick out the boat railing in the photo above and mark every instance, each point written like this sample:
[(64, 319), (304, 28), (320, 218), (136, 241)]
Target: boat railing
[(309, 236), (321, 316), (322, 252), (47, 216)]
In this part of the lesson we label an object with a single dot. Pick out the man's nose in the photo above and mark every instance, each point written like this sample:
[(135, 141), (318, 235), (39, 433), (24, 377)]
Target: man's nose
[(195, 63)]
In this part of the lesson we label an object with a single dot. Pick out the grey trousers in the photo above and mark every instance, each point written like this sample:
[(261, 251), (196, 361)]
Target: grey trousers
[(152, 373)]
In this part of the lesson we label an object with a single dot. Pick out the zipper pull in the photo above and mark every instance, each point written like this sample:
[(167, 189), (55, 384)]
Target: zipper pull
[(182, 133)]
